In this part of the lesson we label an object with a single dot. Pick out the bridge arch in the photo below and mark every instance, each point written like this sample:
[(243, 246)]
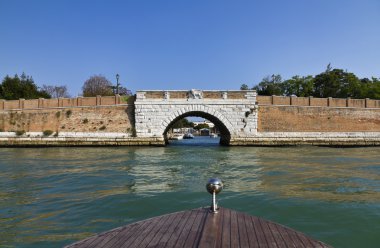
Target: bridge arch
[(210, 114)]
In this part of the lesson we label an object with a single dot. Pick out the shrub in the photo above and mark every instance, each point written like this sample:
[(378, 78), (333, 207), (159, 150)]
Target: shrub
[(68, 113), (20, 132), (58, 114), (102, 127), (47, 132)]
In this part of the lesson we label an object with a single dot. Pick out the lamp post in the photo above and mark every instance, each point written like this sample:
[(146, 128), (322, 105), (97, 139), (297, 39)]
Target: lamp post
[(117, 83)]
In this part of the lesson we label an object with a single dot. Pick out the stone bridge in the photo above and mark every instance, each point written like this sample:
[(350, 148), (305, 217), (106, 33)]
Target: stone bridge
[(234, 113)]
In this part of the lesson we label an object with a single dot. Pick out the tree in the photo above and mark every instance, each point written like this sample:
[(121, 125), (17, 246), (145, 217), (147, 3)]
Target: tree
[(270, 85), (183, 123), (97, 85), (244, 87), (56, 91), (13, 88), (336, 83), (201, 126), (299, 86)]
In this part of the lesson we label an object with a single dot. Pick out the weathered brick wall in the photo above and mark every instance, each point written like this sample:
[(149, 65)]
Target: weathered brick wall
[(117, 118), (317, 119)]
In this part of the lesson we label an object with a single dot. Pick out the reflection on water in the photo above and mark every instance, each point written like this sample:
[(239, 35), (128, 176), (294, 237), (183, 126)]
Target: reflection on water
[(54, 196)]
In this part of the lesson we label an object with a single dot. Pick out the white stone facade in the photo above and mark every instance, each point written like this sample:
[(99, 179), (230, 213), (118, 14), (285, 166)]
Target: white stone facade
[(238, 116)]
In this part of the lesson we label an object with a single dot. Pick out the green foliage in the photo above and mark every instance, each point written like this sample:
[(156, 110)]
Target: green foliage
[(58, 114), (182, 123), (47, 132), (14, 88), (244, 87), (68, 113), (330, 83), (270, 86), (200, 126), (20, 132)]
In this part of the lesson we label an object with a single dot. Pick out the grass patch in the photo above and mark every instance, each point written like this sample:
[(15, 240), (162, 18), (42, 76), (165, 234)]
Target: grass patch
[(20, 132), (69, 113), (47, 132)]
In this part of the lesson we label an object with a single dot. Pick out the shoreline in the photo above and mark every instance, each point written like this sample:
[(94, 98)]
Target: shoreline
[(87, 139)]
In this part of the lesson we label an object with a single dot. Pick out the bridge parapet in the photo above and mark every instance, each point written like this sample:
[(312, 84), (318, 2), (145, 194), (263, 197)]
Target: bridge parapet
[(195, 94)]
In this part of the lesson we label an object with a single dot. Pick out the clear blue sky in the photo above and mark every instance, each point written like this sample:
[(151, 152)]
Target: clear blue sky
[(183, 44)]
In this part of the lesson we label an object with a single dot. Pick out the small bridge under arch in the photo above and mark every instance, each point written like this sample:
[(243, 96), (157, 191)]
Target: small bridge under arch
[(233, 112)]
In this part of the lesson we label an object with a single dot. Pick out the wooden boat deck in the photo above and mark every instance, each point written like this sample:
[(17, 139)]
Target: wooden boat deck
[(201, 228)]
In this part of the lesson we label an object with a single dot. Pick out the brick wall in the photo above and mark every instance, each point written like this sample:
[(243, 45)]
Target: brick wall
[(117, 118), (317, 119), (322, 102)]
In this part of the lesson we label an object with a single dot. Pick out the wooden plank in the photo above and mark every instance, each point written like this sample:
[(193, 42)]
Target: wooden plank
[(197, 227), (276, 235), (288, 237), (211, 230), (226, 234), (163, 229), (103, 240), (252, 236), (259, 232), (243, 234), (185, 231), (219, 231), (268, 234), (164, 239), (145, 233), (128, 235), (234, 242), (177, 232)]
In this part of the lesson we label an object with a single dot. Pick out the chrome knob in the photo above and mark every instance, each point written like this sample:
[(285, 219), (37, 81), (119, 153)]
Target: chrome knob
[(214, 186)]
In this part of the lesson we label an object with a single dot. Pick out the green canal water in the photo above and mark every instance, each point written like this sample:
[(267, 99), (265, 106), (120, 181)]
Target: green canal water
[(50, 197)]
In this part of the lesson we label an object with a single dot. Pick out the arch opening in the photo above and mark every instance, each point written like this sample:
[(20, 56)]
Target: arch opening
[(225, 135)]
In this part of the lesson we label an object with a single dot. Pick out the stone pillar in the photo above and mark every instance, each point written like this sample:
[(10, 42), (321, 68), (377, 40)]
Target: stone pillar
[(117, 99), (98, 100), (273, 96), (310, 100), (21, 103), (2, 104), (366, 102), (348, 101), (79, 101), (225, 95), (166, 95), (291, 100), (329, 101), (60, 102), (41, 102)]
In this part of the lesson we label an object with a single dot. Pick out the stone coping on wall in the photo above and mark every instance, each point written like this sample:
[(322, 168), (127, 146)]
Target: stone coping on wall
[(341, 139), (345, 139)]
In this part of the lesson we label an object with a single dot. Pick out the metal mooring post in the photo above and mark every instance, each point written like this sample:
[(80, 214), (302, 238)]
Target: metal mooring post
[(214, 186)]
